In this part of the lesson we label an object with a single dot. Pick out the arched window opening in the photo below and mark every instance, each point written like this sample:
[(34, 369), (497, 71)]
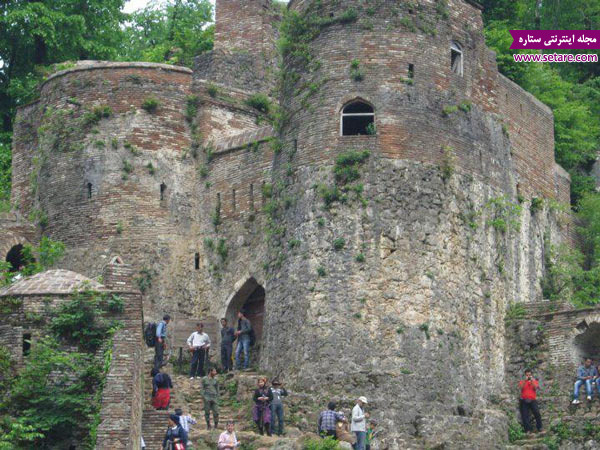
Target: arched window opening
[(26, 343), (15, 258), (163, 188), (89, 190), (456, 58), (358, 118)]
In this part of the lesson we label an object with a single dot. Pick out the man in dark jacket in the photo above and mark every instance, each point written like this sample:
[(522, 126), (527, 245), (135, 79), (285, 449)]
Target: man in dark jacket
[(227, 338), (244, 329)]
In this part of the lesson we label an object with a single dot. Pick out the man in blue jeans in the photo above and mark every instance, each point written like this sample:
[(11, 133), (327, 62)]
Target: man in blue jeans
[(585, 375), (243, 336), (161, 344), (359, 423)]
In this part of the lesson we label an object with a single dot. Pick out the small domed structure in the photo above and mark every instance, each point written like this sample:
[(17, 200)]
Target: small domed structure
[(56, 282)]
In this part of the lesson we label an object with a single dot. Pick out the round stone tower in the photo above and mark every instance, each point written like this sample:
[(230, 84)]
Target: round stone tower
[(401, 198)]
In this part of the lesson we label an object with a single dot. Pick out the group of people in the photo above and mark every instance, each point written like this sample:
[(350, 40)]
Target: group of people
[(199, 345), (268, 401), (587, 374)]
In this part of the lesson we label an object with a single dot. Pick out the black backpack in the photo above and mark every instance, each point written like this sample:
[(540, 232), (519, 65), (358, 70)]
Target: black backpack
[(150, 334), (252, 337)]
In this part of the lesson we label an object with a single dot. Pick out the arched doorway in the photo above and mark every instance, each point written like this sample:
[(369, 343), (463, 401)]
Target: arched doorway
[(587, 344), (251, 298), (15, 257)]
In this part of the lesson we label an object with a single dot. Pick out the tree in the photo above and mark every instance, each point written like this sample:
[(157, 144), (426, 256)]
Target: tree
[(173, 32), (34, 34)]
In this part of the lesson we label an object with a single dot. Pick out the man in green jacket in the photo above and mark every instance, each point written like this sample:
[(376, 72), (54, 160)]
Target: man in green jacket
[(210, 395)]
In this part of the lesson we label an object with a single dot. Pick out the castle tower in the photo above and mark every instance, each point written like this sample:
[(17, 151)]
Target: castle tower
[(243, 25)]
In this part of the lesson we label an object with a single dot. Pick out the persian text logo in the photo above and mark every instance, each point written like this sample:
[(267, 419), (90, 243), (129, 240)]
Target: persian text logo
[(556, 58)]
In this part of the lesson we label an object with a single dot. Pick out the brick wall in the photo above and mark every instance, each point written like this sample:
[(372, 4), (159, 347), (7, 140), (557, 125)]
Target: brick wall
[(122, 398)]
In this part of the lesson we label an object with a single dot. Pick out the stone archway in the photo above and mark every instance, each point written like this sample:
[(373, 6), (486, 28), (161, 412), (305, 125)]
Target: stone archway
[(15, 257), (251, 298), (586, 344)]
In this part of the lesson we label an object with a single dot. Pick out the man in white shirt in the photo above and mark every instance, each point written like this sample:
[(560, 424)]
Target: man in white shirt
[(359, 423), (198, 343)]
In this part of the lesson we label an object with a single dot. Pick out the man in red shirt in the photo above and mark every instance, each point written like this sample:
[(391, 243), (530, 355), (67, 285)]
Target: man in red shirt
[(527, 402)]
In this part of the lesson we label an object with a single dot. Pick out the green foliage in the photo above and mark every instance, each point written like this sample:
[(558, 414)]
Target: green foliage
[(294, 243), (150, 104), (339, 243), (95, 115), (515, 311), (424, 327), (119, 227), (260, 102), (216, 215), (191, 107), (515, 431), (355, 71), (276, 145), (267, 190), (465, 106), (504, 214), (171, 31), (347, 166), (371, 130), (202, 171), (448, 162), (79, 321), (41, 257), (209, 243), (221, 249), (360, 257), (536, 204), (127, 167), (448, 110), (115, 303), (5, 171), (212, 90), (144, 280), (321, 271), (151, 168), (331, 194)]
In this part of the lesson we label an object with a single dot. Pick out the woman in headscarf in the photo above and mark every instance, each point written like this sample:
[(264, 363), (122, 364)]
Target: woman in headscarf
[(175, 438), (261, 411), (161, 389)]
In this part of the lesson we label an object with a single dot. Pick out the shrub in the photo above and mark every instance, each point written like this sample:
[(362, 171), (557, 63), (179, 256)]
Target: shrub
[(371, 130), (144, 280), (260, 102), (347, 165), (127, 167), (536, 204), (222, 250), (339, 243), (191, 107), (212, 90), (276, 146), (360, 258), (465, 106), (150, 104), (321, 271), (448, 110), (151, 169)]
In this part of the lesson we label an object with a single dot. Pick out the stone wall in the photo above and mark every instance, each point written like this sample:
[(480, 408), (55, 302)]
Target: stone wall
[(122, 398)]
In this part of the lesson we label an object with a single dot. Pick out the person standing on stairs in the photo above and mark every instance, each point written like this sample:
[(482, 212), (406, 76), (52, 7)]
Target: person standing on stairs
[(528, 401), (227, 338), (585, 375), (161, 341), (278, 392), (244, 329), (161, 389), (199, 344), (359, 423), (175, 438), (261, 411), (210, 396), (185, 420)]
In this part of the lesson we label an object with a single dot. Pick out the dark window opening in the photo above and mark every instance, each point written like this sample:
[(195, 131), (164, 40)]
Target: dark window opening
[(262, 190), (233, 204), (197, 261), (456, 58), (163, 188), (411, 71), (295, 145), (89, 190), (15, 258), (521, 107), (358, 118), (251, 197), (26, 344)]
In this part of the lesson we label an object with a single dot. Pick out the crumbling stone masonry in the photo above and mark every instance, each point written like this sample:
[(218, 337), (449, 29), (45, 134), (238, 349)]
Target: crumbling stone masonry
[(393, 286)]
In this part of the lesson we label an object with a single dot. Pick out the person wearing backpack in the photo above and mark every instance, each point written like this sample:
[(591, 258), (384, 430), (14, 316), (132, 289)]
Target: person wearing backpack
[(161, 341), (243, 334)]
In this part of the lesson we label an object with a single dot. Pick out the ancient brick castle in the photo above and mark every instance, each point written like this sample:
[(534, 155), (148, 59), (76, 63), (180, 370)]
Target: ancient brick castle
[(360, 180)]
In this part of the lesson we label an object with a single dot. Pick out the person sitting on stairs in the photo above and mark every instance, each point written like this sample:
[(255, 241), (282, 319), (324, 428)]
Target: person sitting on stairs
[(585, 375), (261, 411), (210, 395)]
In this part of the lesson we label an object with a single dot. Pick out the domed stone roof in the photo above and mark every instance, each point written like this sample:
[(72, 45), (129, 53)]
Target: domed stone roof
[(50, 282)]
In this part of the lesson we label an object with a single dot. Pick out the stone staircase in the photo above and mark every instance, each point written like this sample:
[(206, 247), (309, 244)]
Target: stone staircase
[(236, 390)]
